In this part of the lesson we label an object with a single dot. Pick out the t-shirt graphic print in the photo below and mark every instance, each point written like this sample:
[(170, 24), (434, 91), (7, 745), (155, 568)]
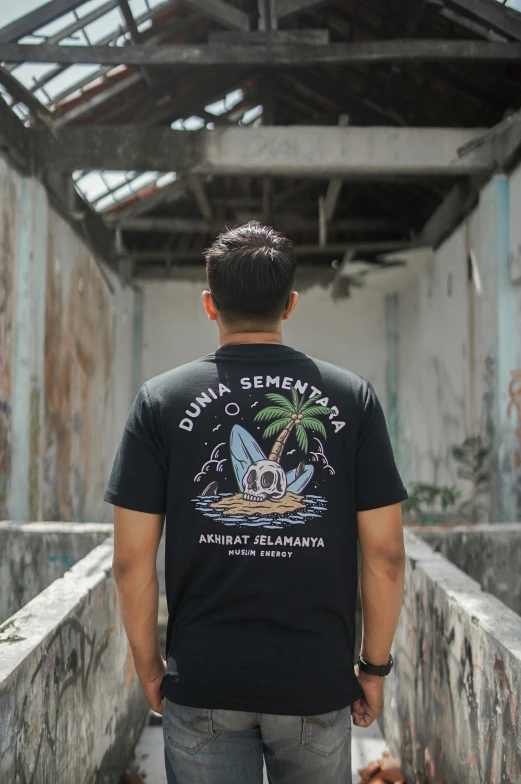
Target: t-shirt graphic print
[(271, 486), (260, 457)]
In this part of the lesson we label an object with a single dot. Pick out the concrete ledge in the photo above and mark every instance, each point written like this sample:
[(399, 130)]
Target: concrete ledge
[(32, 555), (452, 700), (488, 552), (71, 707)]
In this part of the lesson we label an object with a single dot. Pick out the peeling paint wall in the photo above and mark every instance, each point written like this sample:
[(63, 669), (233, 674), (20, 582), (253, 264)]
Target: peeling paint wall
[(71, 706), (451, 707), (513, 409), (459, 356), (10, 186), (66, 355), (432, 365), (78, 361)]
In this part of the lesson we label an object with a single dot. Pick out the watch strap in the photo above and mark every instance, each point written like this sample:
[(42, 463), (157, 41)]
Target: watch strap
[(375, 669)]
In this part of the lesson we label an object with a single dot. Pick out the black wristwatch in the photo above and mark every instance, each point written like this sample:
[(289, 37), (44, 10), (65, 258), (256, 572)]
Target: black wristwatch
[(373, 669)]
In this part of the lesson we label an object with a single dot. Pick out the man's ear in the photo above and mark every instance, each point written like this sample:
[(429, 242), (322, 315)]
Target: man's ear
[(209, 305), (292, 304)]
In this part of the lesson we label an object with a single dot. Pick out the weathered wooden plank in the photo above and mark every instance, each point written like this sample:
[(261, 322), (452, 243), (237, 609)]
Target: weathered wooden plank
[(19, 93), (276, 54), (287, 7), (448, 214), (137, 39), (505, 20), (221, 12), (196, 185), (335, 249), (13, 136), (43, 15), (260, 38), (288, 221)]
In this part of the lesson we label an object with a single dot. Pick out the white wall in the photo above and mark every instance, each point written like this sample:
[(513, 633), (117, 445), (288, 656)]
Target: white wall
[(433, 365), (460, 353), (348, 332)]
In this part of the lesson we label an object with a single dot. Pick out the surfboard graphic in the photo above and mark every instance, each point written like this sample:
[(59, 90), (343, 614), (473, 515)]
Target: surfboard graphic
[(245, 452)]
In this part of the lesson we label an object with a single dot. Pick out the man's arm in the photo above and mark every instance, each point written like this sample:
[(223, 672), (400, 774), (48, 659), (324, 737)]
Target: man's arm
[(136, 540), (380, 535)]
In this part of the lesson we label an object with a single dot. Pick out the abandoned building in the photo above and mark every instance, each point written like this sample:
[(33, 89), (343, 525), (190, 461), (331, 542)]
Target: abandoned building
[(383, 137)]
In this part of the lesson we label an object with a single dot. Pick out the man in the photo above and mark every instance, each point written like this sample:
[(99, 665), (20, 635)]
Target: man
[(266, 465)]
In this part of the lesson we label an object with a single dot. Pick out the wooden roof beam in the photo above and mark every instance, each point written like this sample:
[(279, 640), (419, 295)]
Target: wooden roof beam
[(260, 38), (288, 221), (500, 17), (221, 12), (289, 7), (196, 185), (137, 39), (367, 52), (14, 138), (41, 16), (335, 249)]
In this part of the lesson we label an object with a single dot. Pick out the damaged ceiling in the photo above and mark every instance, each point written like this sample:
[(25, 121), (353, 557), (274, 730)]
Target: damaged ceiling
[(127, 110)]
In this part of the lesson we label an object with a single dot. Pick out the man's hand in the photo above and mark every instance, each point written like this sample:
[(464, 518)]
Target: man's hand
[(380, 535), (150, 684), (369, 707)]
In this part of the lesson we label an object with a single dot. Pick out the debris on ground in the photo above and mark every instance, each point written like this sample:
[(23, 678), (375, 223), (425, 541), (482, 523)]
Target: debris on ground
[(131, 778), (385, 770)]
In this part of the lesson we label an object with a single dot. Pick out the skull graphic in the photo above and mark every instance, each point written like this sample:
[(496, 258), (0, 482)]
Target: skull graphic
[(264, 479)]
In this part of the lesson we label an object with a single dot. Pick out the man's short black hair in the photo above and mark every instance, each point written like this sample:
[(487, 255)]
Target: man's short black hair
[(250, 272)]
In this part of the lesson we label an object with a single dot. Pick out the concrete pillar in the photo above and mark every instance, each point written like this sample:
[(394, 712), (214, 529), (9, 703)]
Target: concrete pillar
[(29, 352)]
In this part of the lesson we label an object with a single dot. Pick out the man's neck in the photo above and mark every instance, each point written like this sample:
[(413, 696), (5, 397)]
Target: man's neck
[(234, 338)]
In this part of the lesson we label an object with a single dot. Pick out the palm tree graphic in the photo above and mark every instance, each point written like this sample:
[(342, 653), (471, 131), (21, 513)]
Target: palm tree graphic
[(288, 415)]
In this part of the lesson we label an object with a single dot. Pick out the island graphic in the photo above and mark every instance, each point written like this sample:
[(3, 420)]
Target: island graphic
[(269, 495)]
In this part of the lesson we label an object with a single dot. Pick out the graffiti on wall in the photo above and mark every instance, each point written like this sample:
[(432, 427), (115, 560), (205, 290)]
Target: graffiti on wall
[(514, 414), (72, 711), (514, 396), (451, 691), (8, 209), (78, 361)]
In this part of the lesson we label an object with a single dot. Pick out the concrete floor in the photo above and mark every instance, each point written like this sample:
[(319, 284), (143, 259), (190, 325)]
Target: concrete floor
[(367, 745)]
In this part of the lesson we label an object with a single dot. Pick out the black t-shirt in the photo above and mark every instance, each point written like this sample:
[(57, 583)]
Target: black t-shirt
[(260, 456)]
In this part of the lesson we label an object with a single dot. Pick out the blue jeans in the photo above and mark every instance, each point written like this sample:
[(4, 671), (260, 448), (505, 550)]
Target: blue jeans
[(205, 746)]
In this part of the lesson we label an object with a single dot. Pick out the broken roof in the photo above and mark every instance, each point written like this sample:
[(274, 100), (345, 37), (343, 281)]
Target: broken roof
[(165, 215)]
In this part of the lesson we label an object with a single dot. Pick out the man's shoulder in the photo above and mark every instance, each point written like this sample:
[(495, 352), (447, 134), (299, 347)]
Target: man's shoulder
[(340, 375), (176, 377)]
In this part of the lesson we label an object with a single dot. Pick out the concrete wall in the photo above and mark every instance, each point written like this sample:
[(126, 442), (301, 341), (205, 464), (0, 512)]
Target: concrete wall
[(348, 332), (66, 362), (33, 555), (71, 707), (452, 700), (489, 553), (513, 402), (10, 187), (458, 355), (432, 365)]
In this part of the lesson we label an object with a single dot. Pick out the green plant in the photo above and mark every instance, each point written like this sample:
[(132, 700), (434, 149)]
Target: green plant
[(472, 457), (427, 500)]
